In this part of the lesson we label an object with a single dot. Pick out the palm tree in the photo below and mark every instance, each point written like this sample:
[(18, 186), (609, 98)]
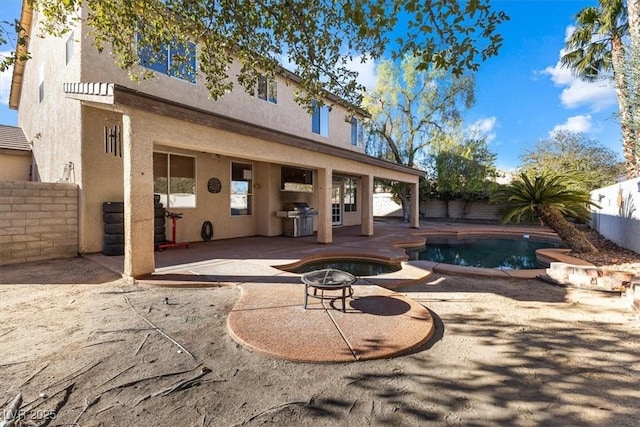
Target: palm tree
[(596, 48), (551, 199)]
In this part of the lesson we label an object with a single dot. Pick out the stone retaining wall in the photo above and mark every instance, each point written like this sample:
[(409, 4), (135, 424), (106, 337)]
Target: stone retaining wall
[(38, 221)]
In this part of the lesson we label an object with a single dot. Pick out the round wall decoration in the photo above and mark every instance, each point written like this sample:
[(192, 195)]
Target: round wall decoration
[(214, 185)]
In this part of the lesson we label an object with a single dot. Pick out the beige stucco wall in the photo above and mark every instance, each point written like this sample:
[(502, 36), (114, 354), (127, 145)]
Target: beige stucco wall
[(286, 115), (51, 125), (15, 166), (214, 151), (67, 132), (102, 180)]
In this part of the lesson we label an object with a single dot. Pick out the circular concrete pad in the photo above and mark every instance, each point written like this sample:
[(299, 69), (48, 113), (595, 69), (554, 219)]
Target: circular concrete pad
[(378, 323)]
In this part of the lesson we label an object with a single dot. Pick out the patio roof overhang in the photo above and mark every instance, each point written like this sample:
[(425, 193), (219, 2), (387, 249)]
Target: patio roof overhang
[(26, 18), (120, 96)]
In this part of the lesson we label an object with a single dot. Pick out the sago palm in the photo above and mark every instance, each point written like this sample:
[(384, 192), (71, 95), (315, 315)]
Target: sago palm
[(551, 199)]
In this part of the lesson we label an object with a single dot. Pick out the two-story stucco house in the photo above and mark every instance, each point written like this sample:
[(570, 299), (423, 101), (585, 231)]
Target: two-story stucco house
[(234, 162)]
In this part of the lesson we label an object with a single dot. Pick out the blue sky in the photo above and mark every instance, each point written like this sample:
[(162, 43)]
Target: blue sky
[(522, 95)]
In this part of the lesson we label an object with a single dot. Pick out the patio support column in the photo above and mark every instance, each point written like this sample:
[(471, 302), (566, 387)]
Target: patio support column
[(366, 215), (325, 230), (415, 205), (138, 198)]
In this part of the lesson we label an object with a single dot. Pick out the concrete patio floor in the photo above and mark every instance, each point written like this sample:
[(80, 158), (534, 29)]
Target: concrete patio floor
[(270, 319)]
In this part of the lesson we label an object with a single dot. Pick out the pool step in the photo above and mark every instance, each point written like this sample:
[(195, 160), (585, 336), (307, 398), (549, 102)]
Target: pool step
[(588, 277)]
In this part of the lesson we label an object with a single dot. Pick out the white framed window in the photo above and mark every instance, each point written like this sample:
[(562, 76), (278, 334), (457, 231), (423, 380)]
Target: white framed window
[(41, 83), (69, 48), (320, 119), (173, 60), (357, 132), (241, 189), (174, 179), (350, 195), (268, 89)]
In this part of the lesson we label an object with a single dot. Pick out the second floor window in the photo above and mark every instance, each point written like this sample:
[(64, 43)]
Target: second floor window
[(69, 48), (357, 132), (41, 83), (268, 90), (320, 119), (173, 60)]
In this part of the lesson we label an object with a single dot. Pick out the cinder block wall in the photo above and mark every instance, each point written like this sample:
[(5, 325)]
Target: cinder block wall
[(459, 209), (38, 221), (436, 209)]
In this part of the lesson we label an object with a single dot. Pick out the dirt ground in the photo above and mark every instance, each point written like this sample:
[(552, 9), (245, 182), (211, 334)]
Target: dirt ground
[(506, 352)]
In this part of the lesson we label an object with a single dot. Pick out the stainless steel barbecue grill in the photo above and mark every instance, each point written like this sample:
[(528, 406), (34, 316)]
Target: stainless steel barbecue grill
[(297, 219)]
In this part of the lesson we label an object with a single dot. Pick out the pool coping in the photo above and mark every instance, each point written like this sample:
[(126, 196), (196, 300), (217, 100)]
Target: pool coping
[(418, 270)]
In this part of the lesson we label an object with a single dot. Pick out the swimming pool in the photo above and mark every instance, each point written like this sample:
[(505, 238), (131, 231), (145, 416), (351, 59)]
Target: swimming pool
[(357, 267), (505, 253)]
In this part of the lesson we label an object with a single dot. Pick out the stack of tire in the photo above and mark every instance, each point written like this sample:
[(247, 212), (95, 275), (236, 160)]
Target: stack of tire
[(159, 214), (113, 217)]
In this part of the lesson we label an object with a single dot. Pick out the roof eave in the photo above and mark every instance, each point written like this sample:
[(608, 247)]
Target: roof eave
[(26, 18)]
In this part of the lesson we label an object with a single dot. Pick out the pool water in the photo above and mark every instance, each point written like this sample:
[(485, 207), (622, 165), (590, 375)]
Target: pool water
[(355, 267), (502, 253)]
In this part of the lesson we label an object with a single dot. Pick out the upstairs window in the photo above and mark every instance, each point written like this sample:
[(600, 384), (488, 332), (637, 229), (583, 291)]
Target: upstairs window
[(69, 48), (173, 60), (41, 83), (320, 119), (357, 132), (268, 89)]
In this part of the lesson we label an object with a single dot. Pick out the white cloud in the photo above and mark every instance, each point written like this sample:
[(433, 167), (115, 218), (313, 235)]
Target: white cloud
[(5, 82), (580, 123), (366, 71), (596, 96), (484, 127)]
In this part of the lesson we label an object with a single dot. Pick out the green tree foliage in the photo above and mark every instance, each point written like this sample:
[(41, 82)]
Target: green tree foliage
[(319, 37), (593, 164), (459, 168), (12, 33), (409, 110), (551, 198), (463, 169), (595, 50)]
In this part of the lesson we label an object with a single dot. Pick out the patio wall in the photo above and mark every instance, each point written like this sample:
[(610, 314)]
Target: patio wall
[(459, 209), (38, 221), (482, 210), (618, 218)]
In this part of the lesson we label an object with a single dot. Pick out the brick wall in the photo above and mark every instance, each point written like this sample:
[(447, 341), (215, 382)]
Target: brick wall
[(38, 221)]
